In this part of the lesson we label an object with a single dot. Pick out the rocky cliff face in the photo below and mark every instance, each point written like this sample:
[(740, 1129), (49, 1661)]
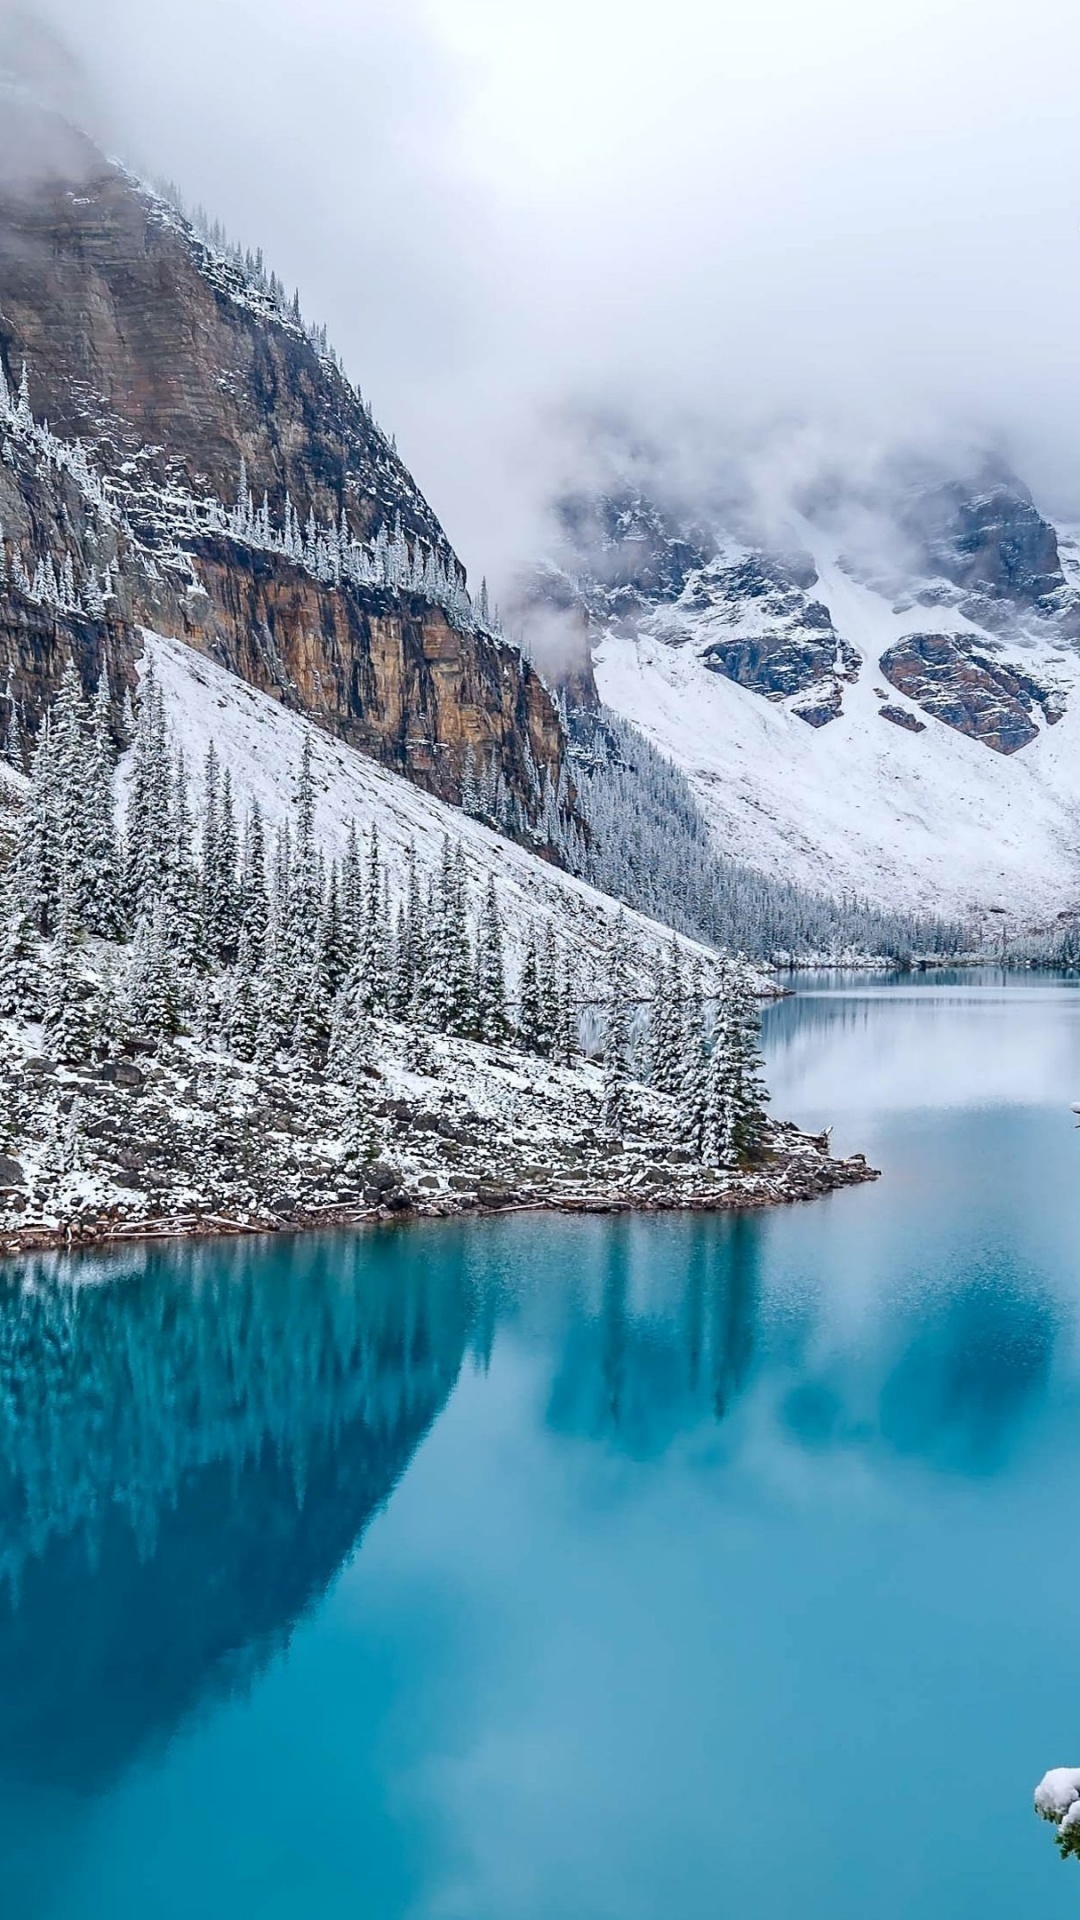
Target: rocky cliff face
[(209, 472), (954, 680)]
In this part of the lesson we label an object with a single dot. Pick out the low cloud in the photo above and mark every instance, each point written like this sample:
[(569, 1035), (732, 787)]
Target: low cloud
[(761, 244)]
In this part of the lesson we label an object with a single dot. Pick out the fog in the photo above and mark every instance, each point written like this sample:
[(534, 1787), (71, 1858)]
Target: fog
[(767, 238)]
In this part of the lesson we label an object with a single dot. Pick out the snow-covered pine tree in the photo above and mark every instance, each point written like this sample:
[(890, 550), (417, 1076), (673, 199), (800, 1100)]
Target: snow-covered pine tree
[(22, 980), (242, 1013), (331, 954), (374, 969), (694, 1072), (11, 745), (568, 1038), (254, 902), (492, 1021), (461, 1011), (228, 905), (149, 804), (408, 953), (67, 1024), (38, 851), (548, 967), (617, 1035), (531, 1032), (68, 730), (352, 895), (350, 1045), (735, 1118), (102, 904), (183, 890), (305, 896), (151, 998), (209, 870), (665, 1021), (277, 988), (470, 791)]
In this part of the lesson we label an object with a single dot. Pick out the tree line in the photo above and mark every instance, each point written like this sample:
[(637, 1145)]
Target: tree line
[(260, 945)]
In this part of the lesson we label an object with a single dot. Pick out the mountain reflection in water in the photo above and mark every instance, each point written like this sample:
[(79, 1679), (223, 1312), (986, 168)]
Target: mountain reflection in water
[(649, 1511), (190, 1449)]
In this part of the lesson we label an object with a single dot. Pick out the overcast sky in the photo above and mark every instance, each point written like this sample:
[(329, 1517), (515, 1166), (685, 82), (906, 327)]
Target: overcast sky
[(860, 215)]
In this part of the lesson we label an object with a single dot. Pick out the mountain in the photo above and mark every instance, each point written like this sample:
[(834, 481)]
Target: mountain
[(877, 696), (178, 450)]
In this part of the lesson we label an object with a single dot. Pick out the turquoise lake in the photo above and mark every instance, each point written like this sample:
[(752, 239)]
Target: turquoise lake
[(543, 1568)]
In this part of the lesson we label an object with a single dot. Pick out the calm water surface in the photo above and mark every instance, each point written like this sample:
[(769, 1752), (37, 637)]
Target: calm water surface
[(544, 1569)]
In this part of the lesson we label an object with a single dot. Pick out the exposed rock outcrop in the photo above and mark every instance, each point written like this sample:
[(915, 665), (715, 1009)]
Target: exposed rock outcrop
[(956, 681), (783, 642), (986, 537), (900, 717), (184, 379)]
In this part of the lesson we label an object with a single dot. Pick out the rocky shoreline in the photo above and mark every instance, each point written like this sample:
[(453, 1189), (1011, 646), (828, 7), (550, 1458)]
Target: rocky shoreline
[(805, 1172)]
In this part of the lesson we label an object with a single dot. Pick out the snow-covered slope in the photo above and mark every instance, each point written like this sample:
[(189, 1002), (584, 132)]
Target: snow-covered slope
[(261, 744), (902, 809)]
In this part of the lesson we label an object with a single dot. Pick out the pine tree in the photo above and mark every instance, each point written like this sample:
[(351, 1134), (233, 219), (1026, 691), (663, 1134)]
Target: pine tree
[(374, 968), (228, 901), (151, 999), (184, 879), (492, 1021), (38, 852), (568, 1038), (736, 1122), (665, 1023), (461, 1012), (208, 859), (548, 969), (21, 972), (331, 957), (254, 903), (243, 1012), (694, 1074), (149, 804), (411, 943), (617, 1035), (305, 894), (530, 1022), (13, 752), (361, 1141), (70, 757), (102, 898), (350, 1045), (66, 1020), (352, 895)]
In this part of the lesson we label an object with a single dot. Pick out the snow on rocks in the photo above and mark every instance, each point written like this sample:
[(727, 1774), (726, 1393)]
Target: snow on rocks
[(186, 1139), (900, 815)]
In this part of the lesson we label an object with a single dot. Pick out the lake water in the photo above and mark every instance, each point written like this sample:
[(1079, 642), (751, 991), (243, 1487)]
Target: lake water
[(575, 1569)]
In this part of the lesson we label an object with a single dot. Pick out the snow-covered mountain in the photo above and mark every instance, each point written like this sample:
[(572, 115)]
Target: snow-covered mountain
[(180, 450), (878, 699)]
